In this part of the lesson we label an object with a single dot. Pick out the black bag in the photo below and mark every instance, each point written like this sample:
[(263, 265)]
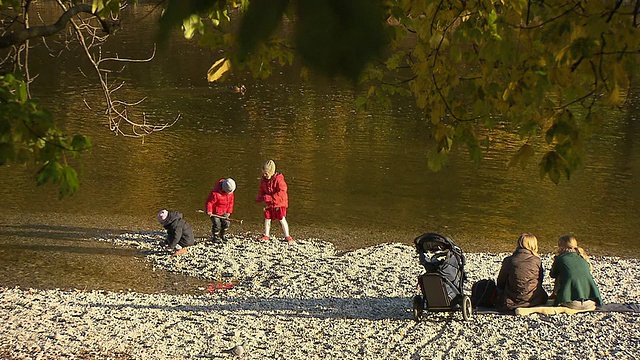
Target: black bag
[(483, 293)]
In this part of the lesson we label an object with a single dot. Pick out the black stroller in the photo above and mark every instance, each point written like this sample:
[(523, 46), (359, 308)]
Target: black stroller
[(441, 285)]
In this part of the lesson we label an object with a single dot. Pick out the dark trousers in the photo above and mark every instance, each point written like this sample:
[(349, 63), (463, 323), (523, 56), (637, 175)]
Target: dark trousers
[(219, 226)]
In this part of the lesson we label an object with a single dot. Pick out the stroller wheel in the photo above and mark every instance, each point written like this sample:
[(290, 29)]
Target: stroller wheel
[(418, 307), (467, 309)]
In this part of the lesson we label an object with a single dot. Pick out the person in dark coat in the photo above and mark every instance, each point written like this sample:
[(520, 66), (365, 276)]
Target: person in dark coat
[(179, 232), (574, 286), (519, 282)]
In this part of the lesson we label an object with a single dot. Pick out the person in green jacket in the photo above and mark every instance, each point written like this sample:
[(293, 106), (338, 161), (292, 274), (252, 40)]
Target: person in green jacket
[(574, 286)]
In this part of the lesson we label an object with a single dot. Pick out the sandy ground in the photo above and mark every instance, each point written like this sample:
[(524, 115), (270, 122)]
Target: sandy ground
[(306, 300)]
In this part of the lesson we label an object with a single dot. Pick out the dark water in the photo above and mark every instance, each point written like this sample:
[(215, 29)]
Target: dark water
[(50, 256), (355, 178)]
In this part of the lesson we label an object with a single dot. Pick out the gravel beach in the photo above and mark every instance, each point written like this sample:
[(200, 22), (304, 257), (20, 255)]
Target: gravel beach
[(306, 300)]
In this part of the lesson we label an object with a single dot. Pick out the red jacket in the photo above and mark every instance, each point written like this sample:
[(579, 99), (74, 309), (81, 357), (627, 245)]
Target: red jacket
[(274, 188), (219, 202)]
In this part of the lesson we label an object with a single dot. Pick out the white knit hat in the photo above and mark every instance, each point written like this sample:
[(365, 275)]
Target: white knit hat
[(269, 168), (162, 215), (229, 185)]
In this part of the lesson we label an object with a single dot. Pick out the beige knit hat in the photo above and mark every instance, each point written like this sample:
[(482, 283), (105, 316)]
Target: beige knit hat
[(269, 168)]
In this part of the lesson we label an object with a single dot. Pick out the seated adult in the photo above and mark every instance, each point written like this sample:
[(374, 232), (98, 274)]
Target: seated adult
[(519, 282), (574, 286)]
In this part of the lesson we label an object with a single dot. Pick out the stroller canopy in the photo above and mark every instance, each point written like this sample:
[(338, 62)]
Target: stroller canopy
[(440, 255), (432, 242)]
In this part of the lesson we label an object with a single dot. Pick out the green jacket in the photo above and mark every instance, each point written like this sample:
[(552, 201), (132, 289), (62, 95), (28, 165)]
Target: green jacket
[(574, 280)]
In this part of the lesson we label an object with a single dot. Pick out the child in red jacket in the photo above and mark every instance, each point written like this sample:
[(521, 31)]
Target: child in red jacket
[(219, 207), (273, 192)]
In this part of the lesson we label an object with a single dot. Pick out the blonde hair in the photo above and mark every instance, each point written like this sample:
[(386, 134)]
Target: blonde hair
[(529, 242), (568, 243)]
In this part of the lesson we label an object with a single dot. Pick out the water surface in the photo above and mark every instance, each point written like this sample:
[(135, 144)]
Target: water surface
[(355, 178)]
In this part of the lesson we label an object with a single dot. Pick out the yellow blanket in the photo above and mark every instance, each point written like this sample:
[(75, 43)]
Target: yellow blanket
[(549, 310)]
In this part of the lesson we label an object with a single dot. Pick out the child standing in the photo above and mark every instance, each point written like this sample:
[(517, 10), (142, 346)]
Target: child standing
[(219, 207), (273, 192)]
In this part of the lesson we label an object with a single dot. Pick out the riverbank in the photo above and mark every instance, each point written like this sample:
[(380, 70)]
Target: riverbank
[(305, 300)]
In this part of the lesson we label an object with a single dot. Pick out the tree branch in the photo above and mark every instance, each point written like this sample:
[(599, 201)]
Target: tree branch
[(18, 37)]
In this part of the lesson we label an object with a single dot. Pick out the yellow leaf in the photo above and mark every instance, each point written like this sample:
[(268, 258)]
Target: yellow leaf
[(97, 6), (218, 69), (506, 93), (436, 113), (614, 97), (562, 52), (578, 32), (620, 76), (434, 41), (304, 73)]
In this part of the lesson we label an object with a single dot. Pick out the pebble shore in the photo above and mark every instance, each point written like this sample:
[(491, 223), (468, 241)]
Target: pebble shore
[(306, 300)]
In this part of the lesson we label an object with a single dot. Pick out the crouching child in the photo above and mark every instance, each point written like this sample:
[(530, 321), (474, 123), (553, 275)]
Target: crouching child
[(179, 232)]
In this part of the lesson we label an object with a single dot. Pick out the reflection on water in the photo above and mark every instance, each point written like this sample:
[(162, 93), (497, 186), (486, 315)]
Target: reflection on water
[(46, 256), (356, 178)]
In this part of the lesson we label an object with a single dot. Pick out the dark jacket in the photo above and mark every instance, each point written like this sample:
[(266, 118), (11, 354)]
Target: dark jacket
[(178, 230), (276, 189), (520, 281), (573, 279)]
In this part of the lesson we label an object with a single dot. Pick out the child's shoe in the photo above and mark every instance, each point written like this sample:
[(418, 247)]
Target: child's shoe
[(288, 238), (264, 238), (180, 252)]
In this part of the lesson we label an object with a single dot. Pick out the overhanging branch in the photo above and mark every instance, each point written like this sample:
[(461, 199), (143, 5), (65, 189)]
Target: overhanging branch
[(19, 36)]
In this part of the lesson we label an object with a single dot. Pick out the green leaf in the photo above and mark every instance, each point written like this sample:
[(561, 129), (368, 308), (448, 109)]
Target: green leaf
[(22, 92), (79, 143), (361, 103), (554, 166), (393, 62), (69, 181), (522, 156), (211, 39), (191, 25), (177, 11), (28, 133), (50, 171), (436, 160)]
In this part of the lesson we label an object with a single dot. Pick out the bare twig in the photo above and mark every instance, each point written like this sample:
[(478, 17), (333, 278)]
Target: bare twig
[(86, 32), (120, 123)]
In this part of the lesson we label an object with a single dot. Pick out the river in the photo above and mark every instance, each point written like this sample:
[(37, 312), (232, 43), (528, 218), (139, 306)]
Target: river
[(355, 178)]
